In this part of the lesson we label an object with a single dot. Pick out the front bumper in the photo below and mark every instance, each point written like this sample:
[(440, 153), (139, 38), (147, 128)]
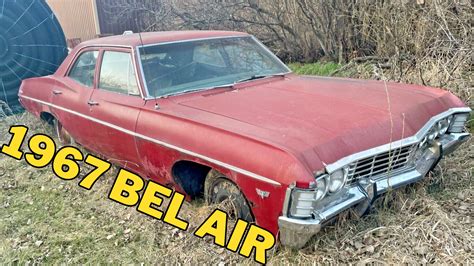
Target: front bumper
[(296, 232)]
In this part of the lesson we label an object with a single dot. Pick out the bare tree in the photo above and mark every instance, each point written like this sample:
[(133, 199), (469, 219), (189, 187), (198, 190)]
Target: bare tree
[(427, 42)]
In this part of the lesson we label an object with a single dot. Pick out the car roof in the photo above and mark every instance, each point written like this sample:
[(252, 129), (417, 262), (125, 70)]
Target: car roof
[(146, 38)]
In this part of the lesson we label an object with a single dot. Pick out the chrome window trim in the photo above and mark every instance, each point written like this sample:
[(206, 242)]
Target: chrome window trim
[(272, 54), (105, 46), (152, 97), (195, 40), (395, 144), (142, 73), (132, 57), (132, 54), (73, 62)]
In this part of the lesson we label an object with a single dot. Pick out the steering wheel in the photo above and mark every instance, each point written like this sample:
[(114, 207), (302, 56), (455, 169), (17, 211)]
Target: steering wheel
[(173, 72)]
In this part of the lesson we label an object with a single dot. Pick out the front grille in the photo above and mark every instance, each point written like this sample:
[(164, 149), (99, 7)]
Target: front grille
[(389, 162)]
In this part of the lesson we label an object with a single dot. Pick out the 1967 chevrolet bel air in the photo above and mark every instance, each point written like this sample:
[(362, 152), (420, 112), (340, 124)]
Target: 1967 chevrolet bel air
[(216, 115)]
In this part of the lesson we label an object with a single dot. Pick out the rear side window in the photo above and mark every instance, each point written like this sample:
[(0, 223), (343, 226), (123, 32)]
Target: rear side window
[(84, 68), (117, 73)]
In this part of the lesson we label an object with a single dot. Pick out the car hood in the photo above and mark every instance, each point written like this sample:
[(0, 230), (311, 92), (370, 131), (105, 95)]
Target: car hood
[(320, 120)]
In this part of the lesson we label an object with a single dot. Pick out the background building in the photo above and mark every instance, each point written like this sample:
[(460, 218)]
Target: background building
[(83, 20)]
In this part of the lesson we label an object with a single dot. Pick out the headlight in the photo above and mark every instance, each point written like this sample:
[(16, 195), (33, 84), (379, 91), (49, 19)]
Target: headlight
[(459, 121), (321, 187), (440, 128), (443, 125), (337, 180)]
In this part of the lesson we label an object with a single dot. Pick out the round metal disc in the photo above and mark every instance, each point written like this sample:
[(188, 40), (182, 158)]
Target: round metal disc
[(32, 44)]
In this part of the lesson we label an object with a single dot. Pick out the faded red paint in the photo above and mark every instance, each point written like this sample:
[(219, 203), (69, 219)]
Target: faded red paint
[(282, 128)]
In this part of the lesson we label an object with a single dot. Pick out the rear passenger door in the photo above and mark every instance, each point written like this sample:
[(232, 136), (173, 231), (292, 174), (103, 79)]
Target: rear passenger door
[(115, 105), (71, 94)]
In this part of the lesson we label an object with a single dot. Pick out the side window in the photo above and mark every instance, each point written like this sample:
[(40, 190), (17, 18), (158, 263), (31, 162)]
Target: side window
[(84, 68), (117, 74)]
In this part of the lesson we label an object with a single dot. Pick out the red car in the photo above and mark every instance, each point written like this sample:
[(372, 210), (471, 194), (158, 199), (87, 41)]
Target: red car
[(217, 115)]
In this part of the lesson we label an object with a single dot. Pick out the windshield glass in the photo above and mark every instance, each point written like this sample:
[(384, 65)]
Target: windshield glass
[(202, 64)]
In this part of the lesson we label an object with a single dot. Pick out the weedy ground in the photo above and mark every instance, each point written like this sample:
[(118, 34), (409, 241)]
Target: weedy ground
[(317, 69), (47, 220)]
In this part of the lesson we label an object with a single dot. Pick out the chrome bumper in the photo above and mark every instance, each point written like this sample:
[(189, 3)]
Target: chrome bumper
[(296, 232), (452, 141)]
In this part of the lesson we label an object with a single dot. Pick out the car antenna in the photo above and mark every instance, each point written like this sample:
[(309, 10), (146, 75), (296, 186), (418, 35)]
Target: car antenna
[(157, 106)]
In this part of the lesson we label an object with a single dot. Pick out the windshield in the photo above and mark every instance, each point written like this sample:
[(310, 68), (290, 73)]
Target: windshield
[(202, 64)]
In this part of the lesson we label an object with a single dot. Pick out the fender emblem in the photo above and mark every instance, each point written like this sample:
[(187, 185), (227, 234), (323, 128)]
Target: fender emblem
[(263, 194)]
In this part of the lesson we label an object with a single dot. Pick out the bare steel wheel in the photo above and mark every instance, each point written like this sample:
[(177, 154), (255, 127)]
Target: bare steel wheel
[(63, 135), (219, 190)]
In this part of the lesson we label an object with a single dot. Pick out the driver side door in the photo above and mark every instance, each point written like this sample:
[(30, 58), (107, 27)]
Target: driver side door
[(115, 105)]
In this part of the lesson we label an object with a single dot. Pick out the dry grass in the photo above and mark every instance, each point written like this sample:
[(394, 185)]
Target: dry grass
[(47, 220)]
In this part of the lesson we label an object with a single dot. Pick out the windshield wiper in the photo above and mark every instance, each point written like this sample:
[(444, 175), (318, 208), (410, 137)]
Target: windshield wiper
[(199, 89), (254, 77)]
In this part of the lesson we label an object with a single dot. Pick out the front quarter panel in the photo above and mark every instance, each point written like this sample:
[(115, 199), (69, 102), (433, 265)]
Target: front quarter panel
[(163, 140)]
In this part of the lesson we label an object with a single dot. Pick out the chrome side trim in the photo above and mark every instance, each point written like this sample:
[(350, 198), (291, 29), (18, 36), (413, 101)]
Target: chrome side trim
[(399, 143), (162, 143)]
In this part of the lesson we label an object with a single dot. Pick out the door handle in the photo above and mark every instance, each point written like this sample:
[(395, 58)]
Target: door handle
[(56, 92), (92, 103)]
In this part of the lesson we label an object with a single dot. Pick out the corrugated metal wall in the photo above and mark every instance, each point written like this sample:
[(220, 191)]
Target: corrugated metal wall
[(78, 18)]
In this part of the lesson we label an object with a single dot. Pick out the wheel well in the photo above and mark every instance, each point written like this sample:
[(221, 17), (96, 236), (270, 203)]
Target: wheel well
[(215, 175), (47, 117), (191, 177)]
